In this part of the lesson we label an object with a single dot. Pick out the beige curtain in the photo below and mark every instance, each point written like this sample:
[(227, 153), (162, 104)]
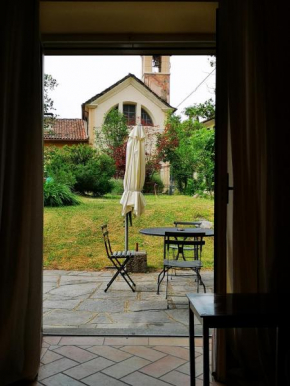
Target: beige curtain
[(255, 91), (21, 202)]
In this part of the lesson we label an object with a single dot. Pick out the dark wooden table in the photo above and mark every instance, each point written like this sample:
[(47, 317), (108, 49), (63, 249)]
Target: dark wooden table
[(232, 311), (160, 231)]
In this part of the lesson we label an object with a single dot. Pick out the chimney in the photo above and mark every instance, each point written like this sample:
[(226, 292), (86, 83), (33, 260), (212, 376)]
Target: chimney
[(156, 75)]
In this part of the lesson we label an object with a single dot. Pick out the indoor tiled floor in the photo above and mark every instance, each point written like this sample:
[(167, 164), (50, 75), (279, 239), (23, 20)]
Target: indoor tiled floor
[(116, 361)]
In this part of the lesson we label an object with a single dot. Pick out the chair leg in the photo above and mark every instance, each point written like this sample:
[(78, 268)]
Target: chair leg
[(167, 284), (124, 271), (200, 281), (160, 279), (120, 267)]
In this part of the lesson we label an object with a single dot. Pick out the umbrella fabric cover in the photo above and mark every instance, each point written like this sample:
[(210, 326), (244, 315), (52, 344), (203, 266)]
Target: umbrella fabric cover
[(134, 178)]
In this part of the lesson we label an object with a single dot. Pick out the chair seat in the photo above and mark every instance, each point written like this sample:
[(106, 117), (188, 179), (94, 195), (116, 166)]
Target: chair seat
[(123, 254), (182, 263)]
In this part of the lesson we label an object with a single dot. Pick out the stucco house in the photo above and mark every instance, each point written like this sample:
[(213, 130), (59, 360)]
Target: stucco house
[(143, 101)]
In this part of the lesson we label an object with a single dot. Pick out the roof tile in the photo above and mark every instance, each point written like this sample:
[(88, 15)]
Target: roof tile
[(67, 129)]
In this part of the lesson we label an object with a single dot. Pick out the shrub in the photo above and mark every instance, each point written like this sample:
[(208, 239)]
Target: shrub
[(81, 168), (56, 194), (58, 166), (95, 176), (151, 181), (118, 186)]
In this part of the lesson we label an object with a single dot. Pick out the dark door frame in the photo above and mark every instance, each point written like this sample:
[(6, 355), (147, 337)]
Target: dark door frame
[(124, 44)]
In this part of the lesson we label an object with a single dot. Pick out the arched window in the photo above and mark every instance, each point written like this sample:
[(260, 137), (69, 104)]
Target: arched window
[(129, 110), (145, 118)]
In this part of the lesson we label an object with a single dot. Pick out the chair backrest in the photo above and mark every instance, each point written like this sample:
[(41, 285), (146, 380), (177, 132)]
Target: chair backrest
[(192, 239), (106, 240)]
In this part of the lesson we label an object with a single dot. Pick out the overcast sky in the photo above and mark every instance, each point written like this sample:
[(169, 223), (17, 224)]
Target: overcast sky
[(81, 77)]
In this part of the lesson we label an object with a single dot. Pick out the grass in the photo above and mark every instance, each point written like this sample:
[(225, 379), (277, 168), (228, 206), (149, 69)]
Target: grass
[(73, 239)]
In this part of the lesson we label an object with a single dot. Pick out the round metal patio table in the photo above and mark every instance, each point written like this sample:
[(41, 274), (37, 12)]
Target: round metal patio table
[(160, 231)]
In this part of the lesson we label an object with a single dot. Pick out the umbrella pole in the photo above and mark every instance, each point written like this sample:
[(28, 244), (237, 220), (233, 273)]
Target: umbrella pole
[(126, 231)]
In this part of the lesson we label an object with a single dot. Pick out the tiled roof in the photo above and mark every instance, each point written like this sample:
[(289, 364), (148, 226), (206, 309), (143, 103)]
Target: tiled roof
[(67, 130), (123, 80)]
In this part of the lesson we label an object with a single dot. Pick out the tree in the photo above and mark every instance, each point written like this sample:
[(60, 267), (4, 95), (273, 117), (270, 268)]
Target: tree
[(114, 129), (112, 139), (204, 110), (189, 147), (49, 84)]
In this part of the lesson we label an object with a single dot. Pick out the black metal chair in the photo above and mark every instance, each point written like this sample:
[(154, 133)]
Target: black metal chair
[(181, 249), (192, 240), (119, 260)]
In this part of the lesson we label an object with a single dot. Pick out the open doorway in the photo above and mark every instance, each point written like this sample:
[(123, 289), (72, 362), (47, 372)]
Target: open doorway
[(168, 94)]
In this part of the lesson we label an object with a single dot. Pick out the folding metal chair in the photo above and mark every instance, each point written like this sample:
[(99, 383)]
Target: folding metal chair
[(119, 260), (189, 239)]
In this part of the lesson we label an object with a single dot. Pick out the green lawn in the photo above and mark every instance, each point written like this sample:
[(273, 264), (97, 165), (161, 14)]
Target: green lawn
[(73, 239)]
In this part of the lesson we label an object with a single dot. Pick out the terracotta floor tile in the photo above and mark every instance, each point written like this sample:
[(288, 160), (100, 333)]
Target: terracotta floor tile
[(53, 347), (89, 368), (75, 353), (162, 366), (52, 339), (61, 380), (176, 378), (100, 379), (55, 367), (126, 341), (50, 356), (157, 341), (43, 351), (185, 369), (144, 352), (126, 367), (139, 379), (179, 352), (111, 353), (81, 341), (198, 342)]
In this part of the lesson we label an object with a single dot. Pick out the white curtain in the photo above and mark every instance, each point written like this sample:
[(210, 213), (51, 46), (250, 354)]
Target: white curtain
[(21, 202)]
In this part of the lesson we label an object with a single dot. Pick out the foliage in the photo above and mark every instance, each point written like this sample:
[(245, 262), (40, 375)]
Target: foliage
[(153, 183), (112, 140), (118, 186), (168, 141), (73, 239), (49, 84), (115, 129), (204, 110), (57, 165), (189, 147), (56, 194), (94, 177), (82, 168)]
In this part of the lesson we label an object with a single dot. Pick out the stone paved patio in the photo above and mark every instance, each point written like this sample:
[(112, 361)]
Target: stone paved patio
[(75, 303)]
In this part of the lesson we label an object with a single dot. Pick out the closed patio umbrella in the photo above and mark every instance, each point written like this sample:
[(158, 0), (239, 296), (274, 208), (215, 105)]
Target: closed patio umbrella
[(132, 198)]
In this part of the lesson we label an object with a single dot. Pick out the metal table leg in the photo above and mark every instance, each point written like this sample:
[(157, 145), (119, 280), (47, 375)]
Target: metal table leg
[(205, 355), (191, 347)]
